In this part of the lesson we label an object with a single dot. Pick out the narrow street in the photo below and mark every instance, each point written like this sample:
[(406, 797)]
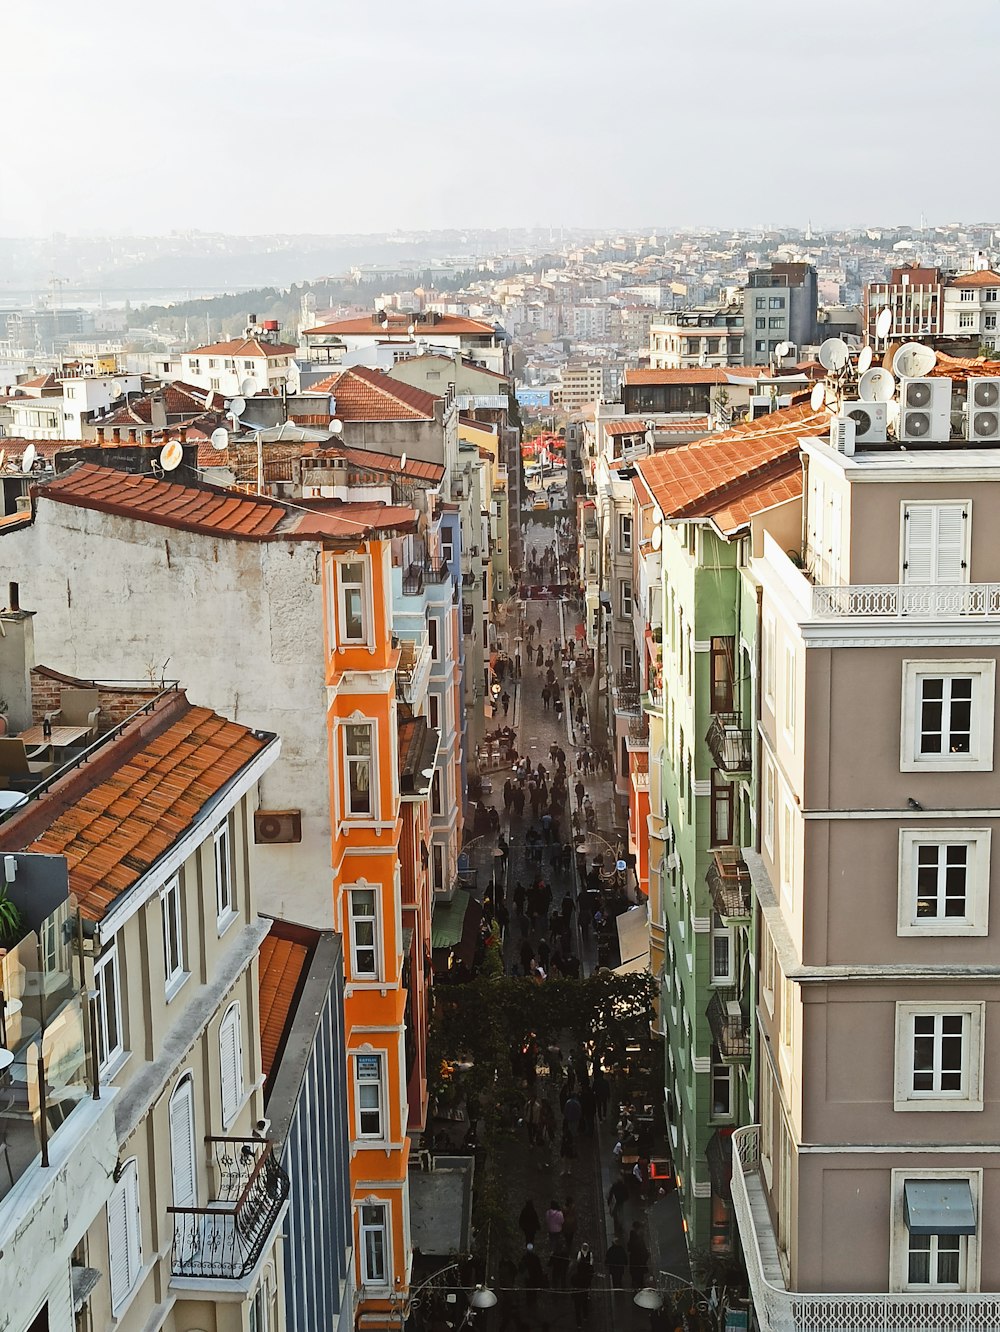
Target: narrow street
[(535, 938)]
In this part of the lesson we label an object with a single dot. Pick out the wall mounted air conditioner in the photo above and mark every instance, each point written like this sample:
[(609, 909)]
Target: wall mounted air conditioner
[(842, 434), (925, 411), (870, 421), (983, 406)]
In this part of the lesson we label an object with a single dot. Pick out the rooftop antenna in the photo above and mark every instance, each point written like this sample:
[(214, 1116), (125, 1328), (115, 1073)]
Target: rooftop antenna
[(28, 458), (876, 385), (817, 399), (865, 357), (117, 388), (834, 354), (171, 456), (249, 388), (883, 324), (220, 439), (913, 360), (236, 409)]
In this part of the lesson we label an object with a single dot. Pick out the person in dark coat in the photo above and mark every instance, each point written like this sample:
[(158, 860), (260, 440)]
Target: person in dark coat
[(638, 1256), (533, 1273), (529, 1221), (615, 1260), (581, 1278)]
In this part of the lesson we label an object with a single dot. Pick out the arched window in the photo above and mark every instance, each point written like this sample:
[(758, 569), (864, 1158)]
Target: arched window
[(183, 1153)]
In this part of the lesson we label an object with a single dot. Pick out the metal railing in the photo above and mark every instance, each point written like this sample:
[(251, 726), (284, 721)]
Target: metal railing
[(224, 1240), (730, 742), (729, 1023), (638, 732), (912, 600), (781, 1310), (729, 883)]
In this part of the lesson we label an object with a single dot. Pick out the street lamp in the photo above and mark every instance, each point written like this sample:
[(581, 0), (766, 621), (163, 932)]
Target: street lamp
[(651, 1298)]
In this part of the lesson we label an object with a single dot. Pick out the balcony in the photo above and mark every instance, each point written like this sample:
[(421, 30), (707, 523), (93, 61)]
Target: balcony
[(414, 669), (906, 601), (225, 1240), (729, 883), (468, 619), (637, 733), (413, 580), (781, 1310), (730, 743), (730, 1025)]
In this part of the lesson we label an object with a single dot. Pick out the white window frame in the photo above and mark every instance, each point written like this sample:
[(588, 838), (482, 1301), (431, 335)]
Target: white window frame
[(934, 507), (231, 1098), (899, 1241), (370, 1226), (625, 534), (108, 964), (172, 912), (722, 1072), (625, 599), (770, 796), (720, 931), (376, 1059), (371, 814), (975, 922), (970, 1096), (770, 654), (340, 563), (225, 897), (184, 1088), (789, 707), (124, 1196), (354, 918), (786, 853), (767, 969), (980, 756), (967, 319)]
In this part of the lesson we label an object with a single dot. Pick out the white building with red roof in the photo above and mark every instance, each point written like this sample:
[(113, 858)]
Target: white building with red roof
[(255, 363), (407, 333)]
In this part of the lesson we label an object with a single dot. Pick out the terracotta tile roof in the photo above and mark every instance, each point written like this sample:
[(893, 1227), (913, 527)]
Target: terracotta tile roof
[(696, 374), (249, 347), (368, 395), (714, 475), (282, 966), (964, 367), (215, 511), (39, 382), (415, 469), (112, 830), (736, 515), (445, 325), (983, 277), (641, 490), (487, 427), (14, 445), (177, 401), (631, 426)]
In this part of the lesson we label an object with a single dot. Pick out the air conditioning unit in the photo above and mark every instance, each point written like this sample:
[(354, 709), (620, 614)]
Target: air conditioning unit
[(870, 421), (842, 434), (272, 826), (925, 410), (983, 405)]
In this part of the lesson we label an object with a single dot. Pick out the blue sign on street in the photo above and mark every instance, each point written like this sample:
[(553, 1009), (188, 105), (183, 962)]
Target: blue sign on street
[(534, 397)]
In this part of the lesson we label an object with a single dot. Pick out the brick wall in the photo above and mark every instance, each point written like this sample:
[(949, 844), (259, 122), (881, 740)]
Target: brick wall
[(116, 704)]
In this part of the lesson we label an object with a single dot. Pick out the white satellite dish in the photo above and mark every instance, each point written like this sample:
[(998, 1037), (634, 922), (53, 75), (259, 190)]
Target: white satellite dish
[(412, 329), (657, 537), (336, 427), (402, 461), (28, 458), (171, 456), (220, 439), (782, 349), (657, 515), (913, 360), (883, 324), (650, 438), (230, 384), (237, 407), (834, 354), (864, 359), (876, 385), (818, 396), (117, 388), (250, 388)]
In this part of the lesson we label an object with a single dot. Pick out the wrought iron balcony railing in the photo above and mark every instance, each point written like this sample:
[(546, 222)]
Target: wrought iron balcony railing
[(638, 732), (729, 883), (224, 1240), (730, 1025), (730, 743)]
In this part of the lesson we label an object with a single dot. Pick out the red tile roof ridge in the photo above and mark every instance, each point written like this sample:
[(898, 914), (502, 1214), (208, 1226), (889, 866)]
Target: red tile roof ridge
[(446, 325), (282, 966), (415, 402), (240, 346), (981, 277), (695, 374)]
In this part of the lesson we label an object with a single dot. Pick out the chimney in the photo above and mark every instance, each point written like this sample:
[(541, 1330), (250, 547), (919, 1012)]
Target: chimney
[(116, 435), (182, 434), (13, 597), (158, 411), (133, 437), (100, 434), (17, 657)]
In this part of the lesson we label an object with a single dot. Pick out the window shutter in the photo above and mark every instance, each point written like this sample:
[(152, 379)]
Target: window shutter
[(124, 1235), (951, 521), (918, 544), (231, 1063), (182, 1150)]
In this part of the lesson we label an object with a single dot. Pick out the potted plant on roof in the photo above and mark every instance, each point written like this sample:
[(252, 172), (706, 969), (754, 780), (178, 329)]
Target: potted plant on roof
[(11, 922)]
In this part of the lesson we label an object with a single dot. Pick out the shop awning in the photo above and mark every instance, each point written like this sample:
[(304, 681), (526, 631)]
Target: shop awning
[(455, 925), (939, 1207), (633, 940)]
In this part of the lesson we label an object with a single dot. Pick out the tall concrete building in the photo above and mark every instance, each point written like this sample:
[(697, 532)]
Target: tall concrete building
[(780, 304)]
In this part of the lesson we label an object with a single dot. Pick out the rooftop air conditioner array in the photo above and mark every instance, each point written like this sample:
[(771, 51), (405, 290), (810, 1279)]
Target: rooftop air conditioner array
[(925, 411)]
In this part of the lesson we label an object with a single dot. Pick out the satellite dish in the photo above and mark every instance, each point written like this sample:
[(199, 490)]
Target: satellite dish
[(864, 359), (336, 427), (818, 396), (237, 407), (412, 329), (28, 458), (249, 388), (220, 439), (171, 456), (834, 354), (913, 360), (657, 515), (883, 324), (782, 349), (657, 537), (650, 438), (117, 388), (402, 461), (876, 385), (230, 384)]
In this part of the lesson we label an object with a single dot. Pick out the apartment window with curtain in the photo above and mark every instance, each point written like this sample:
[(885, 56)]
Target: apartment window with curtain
[(364, 934), (231, 1062), (373, 1241), (369, 1107), (352, 601), (722, 658), (358, 748), (722, 810), (124, 1235)]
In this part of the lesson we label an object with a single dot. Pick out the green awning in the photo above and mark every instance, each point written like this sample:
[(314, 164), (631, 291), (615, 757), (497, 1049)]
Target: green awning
[(939, 1207), (447, 921)]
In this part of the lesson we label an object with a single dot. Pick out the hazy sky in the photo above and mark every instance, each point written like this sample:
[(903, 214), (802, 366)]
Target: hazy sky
[(334, 116)]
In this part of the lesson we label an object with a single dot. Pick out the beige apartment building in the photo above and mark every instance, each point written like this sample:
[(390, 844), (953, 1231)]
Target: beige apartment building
[(867, 1194), (181, 1229)]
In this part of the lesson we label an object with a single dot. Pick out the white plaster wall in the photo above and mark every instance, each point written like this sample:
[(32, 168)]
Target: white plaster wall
[(239, 623)]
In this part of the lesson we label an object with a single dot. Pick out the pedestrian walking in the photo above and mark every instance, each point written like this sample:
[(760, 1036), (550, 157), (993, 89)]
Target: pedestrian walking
[(559, 1268), (569, 1223), (579, 790), (534, 1275), (617, 1198), (529, 1222), (567, 1151), (504, 849), (554, 1224), (638, 1256), (581, 1279), (616, 1260), (546, 695), (602, 1091)]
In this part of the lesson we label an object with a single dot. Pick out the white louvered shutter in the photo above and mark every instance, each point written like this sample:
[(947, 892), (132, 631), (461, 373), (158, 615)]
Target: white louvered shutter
[(950, 546), (182, 1149), (918, 543), (231, 1061), (124, 1235)]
